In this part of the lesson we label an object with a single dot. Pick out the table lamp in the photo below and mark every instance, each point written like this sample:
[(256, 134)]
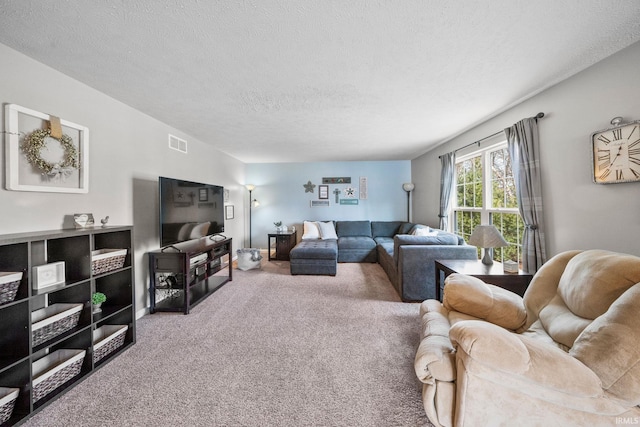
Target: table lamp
[(487, 237)]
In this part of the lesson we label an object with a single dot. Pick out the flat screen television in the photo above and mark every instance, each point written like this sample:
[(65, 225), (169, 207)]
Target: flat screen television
[(189, 210)]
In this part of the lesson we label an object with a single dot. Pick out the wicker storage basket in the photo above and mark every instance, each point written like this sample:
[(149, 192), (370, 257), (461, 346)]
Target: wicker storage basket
[(53, 370), (104, 260), (52, 321), (107, 339), (8, 398), (9, 284)]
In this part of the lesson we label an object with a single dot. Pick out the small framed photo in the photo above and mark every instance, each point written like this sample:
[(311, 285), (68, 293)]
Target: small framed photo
[(228, 212), (48, 275), (323, 192), (83, 220)]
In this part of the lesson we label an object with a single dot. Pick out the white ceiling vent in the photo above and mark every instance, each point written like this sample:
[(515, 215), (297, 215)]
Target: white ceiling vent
[(177, 144)]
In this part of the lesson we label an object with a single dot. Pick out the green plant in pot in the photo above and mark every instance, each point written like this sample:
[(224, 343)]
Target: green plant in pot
[(97, 299), (278, 225)]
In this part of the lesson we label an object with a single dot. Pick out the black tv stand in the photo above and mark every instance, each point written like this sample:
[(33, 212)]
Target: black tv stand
[(180, 280)]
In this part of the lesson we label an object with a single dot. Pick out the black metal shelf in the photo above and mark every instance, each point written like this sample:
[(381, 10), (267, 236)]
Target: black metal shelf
[(202, 277)]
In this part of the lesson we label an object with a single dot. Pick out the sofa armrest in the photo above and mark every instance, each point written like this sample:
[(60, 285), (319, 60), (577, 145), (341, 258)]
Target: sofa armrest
[(470, 295), (415, 266), (513, 359), (435, 357)]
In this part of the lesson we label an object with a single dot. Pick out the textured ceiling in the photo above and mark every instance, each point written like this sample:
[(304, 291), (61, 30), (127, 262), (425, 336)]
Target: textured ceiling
[(320, 80)]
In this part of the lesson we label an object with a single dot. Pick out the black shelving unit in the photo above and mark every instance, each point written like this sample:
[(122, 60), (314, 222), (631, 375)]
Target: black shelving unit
[(21, 252), (183, 275)]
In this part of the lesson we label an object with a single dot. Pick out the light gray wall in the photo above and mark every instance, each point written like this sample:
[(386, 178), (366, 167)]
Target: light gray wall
[(128, 151), (578, 213), (282, 196)]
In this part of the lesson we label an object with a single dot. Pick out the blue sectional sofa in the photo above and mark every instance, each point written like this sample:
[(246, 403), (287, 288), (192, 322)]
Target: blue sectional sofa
[(408, 259)]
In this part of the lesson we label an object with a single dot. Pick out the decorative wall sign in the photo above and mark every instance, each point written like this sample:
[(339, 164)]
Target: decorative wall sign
[(348, 201), (309, 187), (319, 203), (337, 193), (45, 153), (323, 192), (363, 188), (337, 180)]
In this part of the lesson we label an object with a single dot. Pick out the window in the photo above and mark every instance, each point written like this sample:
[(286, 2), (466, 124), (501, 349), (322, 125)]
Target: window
[(488, 198)]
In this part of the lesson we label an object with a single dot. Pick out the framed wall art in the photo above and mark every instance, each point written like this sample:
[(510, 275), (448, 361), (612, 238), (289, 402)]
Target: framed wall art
[(45, 153), (228, 212), (323, 191)]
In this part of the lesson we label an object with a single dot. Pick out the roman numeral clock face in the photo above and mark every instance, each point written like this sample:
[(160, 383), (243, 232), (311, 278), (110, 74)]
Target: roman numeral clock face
[(616, 154)]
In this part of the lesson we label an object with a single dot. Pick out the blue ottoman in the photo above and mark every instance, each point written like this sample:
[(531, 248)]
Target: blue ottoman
[(314, 257)]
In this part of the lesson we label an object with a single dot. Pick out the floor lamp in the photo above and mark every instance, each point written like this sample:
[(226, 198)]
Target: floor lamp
[(252, 203), (408, 187)]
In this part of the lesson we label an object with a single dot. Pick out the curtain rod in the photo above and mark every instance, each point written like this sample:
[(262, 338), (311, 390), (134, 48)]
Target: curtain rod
[(538, 116)]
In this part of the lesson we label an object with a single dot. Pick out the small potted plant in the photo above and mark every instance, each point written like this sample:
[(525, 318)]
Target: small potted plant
[(278, 225), (97, 299)]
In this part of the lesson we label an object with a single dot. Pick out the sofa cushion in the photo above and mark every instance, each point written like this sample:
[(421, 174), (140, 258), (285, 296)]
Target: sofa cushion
[(386, 245), (353, 228), (385, 228), (315, 249), (356, 242), (441, 238), (618, 328), (405, 228)]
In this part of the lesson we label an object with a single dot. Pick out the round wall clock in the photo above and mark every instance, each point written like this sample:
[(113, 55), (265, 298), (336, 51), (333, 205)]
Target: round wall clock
[(616, 153)]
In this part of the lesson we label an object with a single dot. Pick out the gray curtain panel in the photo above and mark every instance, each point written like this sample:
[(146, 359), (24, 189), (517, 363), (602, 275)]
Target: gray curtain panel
[(524, 149), (447, 175)]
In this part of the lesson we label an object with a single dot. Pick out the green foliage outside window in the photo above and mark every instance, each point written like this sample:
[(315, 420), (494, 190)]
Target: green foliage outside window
[(501, 213)]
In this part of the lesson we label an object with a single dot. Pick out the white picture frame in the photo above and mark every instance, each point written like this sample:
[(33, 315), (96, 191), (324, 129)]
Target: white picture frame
[(20, 174), (47, 275)]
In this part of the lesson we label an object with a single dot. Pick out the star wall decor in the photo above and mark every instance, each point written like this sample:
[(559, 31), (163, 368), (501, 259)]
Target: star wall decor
[(309, 187), (350, 192)]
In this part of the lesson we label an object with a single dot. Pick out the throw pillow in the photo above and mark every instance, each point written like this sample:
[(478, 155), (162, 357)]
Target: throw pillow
[(311, 230), (327, 230), (424, 231)]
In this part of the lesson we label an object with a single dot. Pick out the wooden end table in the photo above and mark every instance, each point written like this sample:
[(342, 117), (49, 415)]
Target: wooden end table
[(493, 274), (280, 244)]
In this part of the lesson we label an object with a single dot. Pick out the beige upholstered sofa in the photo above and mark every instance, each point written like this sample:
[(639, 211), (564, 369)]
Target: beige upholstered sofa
[(567, 354)]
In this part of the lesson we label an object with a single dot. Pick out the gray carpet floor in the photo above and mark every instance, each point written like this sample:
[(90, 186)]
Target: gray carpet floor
[(267, 349)]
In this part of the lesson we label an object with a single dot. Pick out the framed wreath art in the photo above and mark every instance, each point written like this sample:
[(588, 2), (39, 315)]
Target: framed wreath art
[(45, 153)]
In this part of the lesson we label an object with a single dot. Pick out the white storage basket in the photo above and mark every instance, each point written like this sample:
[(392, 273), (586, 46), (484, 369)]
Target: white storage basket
[(8, 398), (104, 260), (9, 284), (52, 371), (107, 339), (54, 320)]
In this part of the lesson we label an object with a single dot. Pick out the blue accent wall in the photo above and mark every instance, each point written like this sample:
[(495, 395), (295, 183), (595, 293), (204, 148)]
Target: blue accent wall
[(281, 193)]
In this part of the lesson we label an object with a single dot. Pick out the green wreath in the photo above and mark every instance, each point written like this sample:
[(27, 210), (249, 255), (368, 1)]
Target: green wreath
[(35, 142)]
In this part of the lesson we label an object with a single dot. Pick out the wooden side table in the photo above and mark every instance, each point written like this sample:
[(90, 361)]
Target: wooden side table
[(280, 244), (493, 274)]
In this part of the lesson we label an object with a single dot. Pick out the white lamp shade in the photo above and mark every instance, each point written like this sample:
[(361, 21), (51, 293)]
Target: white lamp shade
[(250, 187), (487, 236), (408, 186)]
